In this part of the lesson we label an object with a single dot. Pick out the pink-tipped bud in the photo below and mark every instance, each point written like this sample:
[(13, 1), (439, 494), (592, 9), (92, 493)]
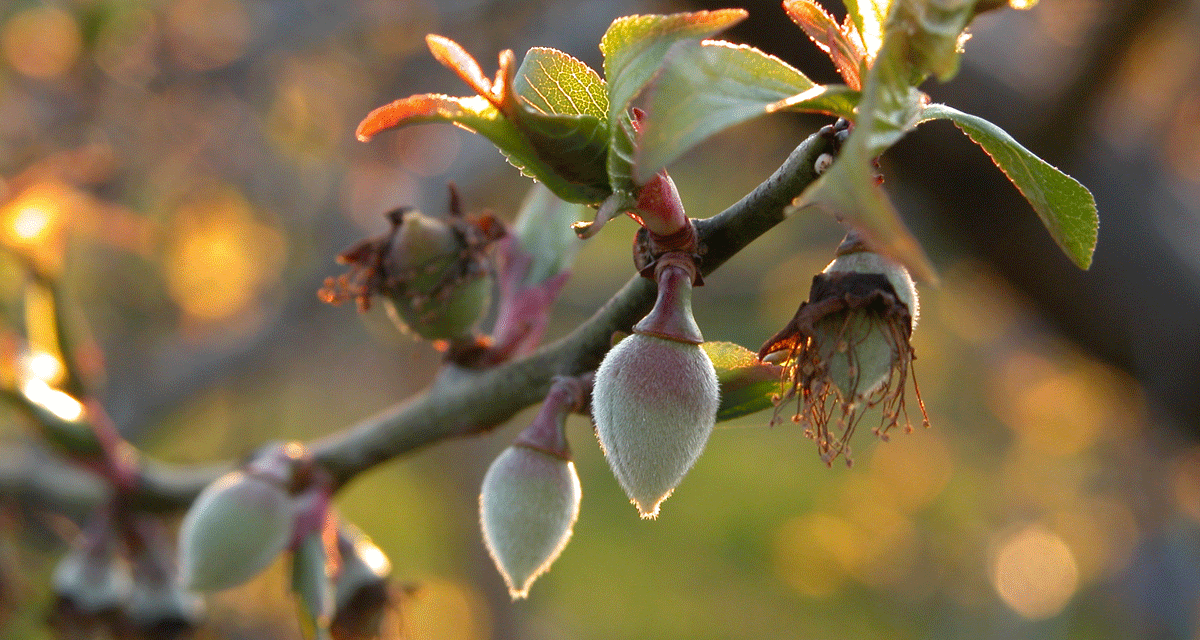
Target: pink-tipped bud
[(655, 403), (527, 508)]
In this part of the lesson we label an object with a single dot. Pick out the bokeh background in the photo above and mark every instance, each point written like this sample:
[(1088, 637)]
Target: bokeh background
[(188, 169)]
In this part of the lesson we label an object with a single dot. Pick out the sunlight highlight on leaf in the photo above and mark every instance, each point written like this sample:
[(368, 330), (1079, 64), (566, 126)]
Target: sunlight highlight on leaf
[(1065, 206)]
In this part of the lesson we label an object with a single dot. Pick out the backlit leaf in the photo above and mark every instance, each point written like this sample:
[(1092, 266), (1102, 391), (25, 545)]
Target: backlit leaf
[(1066, 207), (706, 87), (634, 48), (550, 81), (747, 385), (846, 51)]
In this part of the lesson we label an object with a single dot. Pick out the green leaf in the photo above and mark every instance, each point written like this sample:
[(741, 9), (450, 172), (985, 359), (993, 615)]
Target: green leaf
[(706, 87), (550, 81), (841, 44), (563, 111), (934, 30), (1066, 207), (869, 18), (747, 385), (634, 48), (543, 226), (550, 122), (312, 581)]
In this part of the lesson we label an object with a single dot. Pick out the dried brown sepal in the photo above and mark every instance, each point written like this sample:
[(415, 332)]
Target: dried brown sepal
[(838, 302)]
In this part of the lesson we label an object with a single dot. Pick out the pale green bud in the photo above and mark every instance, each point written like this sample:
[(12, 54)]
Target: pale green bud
[(434, 286), (527, 508), (235, 529), (655, 403)]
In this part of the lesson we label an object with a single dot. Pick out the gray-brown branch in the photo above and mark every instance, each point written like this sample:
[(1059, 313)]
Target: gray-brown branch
[(461, 403)]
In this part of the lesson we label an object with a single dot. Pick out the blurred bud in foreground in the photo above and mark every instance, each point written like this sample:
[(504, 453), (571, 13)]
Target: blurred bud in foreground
[(847, 348), (656, 396), (363, 593), (531, 493), (433, 273), (158, 607), (94, 578), (241, 522)]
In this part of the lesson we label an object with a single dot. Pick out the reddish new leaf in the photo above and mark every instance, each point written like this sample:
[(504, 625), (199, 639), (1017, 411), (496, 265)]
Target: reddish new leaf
[(847, 54), (454, 57)]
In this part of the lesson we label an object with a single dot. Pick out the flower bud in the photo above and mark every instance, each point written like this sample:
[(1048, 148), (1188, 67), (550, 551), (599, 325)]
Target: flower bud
[(433, 273), (527, 508), (234, 530), (655, 403), (847, 348)]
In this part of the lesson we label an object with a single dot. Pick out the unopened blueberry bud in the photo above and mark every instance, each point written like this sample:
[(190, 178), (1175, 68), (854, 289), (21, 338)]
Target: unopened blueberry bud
[(236, 527), (655, 403), (527, 508)]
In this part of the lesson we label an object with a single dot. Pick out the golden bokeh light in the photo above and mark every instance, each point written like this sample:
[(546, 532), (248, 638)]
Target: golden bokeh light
[(221, 258), (41, 42), (44, 366), (813, 553), (913, 469), (33, 221), (1034, 572), (56, 402), (1102, 532), (444, 610), (1060, 405)]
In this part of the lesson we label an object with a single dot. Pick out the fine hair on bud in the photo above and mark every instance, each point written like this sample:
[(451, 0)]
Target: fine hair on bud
[(527, 509), (655, 404), (236, 527)]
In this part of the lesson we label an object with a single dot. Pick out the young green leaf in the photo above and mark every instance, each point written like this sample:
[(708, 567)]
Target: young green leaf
[(1066, 207), (869, 18), (747, 385), (634, 48), (848, 190), (705, 87), (935, 31), (550, 81), (549, 122)]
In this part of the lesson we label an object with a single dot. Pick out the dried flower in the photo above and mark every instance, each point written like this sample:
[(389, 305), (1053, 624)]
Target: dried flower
[(847, 348)]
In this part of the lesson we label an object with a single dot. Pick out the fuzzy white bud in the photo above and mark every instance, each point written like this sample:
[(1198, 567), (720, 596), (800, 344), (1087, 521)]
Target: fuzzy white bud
[(655, 403)]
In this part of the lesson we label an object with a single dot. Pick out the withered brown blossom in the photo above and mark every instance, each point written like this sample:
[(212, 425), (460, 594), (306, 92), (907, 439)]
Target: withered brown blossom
[(847, 350)]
